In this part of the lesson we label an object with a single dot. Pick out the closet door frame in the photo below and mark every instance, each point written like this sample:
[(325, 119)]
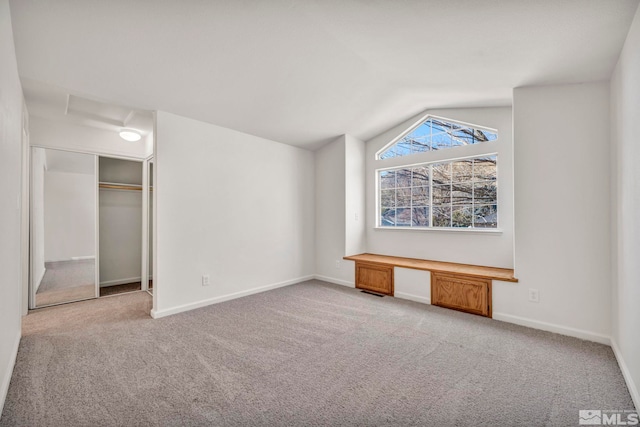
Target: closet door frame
[(97, 227), (145, 225), (32, 286)]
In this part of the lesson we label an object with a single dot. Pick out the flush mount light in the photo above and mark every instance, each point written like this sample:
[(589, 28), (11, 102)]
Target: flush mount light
[(131, 135)]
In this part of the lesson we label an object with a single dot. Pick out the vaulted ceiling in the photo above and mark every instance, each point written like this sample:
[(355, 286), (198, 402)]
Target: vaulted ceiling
[(305, 71)]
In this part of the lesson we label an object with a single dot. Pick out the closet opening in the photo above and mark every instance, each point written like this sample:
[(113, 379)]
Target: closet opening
[(120, 221), (91, 226)]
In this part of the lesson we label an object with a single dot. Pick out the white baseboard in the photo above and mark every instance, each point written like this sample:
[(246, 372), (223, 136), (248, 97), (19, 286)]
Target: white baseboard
[(119, 281), (334, 280), (551, 327), (4, 387), (412, 297), (631, 385), (82, 258), (156, 314), (73, 258)]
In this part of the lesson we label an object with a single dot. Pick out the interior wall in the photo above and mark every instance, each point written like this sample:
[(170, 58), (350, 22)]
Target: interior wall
[(11, 110), (561, 226), (481, 248), (120, 236), (233, 206), (58, 134), (330, 200), (625, 204), (414, 285), (355, 218), (120, 171), (69, 215)]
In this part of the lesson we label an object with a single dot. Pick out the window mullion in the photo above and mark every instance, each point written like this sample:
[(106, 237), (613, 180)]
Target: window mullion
[(431, 195), (451, 193), (473, 193), (395, 200)]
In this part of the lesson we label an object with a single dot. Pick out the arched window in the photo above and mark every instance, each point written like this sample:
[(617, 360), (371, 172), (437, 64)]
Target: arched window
[(436, 134), (459, 192)]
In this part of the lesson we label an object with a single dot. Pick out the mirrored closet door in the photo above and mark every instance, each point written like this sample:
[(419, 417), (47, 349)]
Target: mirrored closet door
[(63, 227)]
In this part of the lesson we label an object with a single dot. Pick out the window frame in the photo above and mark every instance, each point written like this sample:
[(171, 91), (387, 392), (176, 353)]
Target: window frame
[(422, 121), (430, 228)]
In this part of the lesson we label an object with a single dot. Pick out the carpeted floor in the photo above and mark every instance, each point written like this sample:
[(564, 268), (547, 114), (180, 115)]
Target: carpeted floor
[(67, 274), (65, 281), (307, 354), (106, 291)]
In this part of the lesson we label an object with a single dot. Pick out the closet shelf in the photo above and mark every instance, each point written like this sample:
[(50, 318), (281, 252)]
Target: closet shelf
[(120, 186)]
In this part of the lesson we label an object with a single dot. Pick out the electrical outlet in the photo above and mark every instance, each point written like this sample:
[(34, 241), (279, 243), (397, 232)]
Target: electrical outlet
[(338, 264), (355, 216), (206, 280), (534, 295)]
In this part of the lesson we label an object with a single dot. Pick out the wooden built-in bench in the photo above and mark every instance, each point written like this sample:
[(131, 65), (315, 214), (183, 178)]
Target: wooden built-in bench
[(462, 287)]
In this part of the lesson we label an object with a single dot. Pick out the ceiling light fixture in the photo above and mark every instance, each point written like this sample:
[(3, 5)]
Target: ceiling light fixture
[(131, 135)]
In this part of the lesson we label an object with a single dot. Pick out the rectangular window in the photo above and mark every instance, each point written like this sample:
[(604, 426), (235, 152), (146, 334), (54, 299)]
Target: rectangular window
[(453, 194)]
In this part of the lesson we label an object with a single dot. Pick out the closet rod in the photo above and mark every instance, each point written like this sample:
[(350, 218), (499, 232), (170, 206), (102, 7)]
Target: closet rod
[(116, 186)]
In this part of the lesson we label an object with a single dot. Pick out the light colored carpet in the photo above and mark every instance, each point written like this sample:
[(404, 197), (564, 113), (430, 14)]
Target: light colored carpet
[(307, 354), (58, 296), (68, 274), (65, 281)]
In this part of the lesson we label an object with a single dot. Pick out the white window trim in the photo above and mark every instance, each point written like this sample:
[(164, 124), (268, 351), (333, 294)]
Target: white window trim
[(496, 231), (480, 230), (420, 122)]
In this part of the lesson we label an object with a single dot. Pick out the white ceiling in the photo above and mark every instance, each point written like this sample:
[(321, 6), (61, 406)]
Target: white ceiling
[(305, 71), (54, 103)]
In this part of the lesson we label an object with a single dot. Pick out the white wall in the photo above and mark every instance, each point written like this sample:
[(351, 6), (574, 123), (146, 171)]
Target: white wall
[(120, 171), (330, 197), (491, 249), (340, 208), (234, 206), (84, 139), (561, 221), (69, 215), (414, 285), (11, 104), (355, 208), (625, 204), (120, 236)]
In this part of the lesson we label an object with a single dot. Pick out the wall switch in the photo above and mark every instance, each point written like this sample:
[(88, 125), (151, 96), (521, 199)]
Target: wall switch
[(206, 280), (534, 295), (355, 216), (338, 264)]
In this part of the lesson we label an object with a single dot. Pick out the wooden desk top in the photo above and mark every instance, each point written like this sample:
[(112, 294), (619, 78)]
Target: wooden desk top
[(503, 274)]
